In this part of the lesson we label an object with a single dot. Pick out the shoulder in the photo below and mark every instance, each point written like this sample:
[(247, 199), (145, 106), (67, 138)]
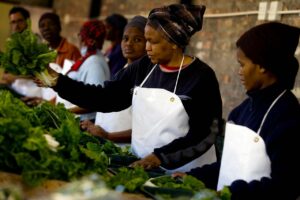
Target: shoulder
[(116, 51), (137, 70), (236, 112), (142, 65), (202, 67), (69, 47), (96, 58), (66, 44), (200, 73), (288, 106), (96, 62)]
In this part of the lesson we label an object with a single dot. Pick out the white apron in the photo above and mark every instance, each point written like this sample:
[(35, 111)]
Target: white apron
[(244, 154), (158, 117), (114, 121)]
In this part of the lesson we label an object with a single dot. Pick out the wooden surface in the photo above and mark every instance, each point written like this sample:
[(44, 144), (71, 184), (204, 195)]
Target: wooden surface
[(9, 179), (44, 190)]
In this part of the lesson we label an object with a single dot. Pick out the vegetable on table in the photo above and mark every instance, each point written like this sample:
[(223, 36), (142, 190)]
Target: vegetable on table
[(67, 154)]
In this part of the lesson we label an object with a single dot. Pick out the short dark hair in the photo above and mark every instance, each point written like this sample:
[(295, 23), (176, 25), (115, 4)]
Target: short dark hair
[(52, 16), (25, 13), (118, 22)]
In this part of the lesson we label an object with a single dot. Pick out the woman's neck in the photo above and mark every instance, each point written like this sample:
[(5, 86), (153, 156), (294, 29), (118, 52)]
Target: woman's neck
[(185, 62), (176, 62)]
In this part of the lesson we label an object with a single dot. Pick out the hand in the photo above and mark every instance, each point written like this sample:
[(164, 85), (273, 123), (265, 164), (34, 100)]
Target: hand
[(47, 78), (178, 174), (93, 129), (149, 162), (32, 101), (8, 78)]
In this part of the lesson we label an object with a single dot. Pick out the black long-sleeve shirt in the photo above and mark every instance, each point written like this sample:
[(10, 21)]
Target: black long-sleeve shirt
[(281, 134), (197, 88)]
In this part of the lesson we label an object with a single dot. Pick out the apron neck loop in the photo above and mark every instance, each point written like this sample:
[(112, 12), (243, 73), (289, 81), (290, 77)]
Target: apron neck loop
[(263, 121), (178, 74), (176, 78), (145, 79)]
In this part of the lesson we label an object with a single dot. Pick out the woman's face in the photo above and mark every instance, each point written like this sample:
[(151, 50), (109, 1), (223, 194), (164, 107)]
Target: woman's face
[(251, 75), (158, 48), (133, 44)]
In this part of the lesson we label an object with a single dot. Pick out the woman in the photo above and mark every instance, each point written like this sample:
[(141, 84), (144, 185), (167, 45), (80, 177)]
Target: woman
[(116, 126), (115, 24), (91, 68), (175, 97), (261, 152)]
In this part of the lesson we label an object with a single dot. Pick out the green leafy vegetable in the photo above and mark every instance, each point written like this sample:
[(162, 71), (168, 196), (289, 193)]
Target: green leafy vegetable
[(25, 54), (187, 182), (25, 149), (129, 178)]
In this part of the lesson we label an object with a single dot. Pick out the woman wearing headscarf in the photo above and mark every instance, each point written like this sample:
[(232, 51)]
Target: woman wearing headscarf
[(261, 157), (175, 97), (116, 126), (91, 68)]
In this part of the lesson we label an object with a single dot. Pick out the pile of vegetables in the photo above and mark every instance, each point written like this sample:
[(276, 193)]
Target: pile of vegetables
[(45, 142), (129, 179), (187, 183)]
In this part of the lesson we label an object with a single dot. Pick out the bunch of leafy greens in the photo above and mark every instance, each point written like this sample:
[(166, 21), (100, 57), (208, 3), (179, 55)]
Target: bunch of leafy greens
[(192, 184), (25, 54), (187, 182), (209, 194), (25, 150), (129, 178)]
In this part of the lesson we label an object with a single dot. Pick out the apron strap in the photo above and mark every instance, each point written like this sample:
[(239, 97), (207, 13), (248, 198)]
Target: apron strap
[(148, 75), (178, 74), (176, 78), (263, 121)]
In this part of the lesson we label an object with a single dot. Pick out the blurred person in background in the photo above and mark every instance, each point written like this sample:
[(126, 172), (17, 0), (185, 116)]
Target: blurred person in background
[(92, 67), (116, 126), (18, 19), (115, 25), (50, 29), (23, 86)]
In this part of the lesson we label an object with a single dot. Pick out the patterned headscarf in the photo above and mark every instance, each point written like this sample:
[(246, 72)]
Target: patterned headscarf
[(93, 30), (272, 45), (178, 22)]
